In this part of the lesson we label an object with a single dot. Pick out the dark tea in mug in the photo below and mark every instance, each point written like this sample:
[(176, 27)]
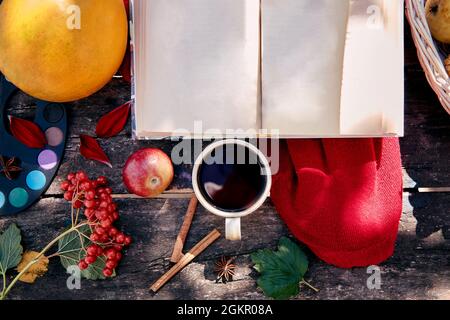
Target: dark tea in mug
[(232, 178)]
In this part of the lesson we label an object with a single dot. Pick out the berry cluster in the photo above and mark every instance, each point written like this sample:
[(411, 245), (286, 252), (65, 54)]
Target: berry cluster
[(94, 196)]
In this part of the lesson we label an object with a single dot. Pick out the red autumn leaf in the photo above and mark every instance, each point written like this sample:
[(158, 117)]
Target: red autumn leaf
[(125, 68), (90, 149), (127, 6), (112, 123), (27, 132)]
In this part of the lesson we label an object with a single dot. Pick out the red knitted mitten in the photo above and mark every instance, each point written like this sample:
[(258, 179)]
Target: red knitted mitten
[(341, 197)]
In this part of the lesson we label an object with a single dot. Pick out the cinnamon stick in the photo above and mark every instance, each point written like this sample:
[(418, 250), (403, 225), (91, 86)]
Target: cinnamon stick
[(186, 259), (181, 238)]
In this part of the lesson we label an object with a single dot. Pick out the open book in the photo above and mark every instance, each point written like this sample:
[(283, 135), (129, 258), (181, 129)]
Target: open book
[(293, 68)]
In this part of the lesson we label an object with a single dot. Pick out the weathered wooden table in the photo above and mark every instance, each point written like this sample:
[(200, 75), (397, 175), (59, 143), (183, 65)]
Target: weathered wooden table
[(420, 267)]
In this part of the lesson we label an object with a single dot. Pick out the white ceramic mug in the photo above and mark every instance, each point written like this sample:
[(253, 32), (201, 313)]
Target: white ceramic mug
[(232, 219)]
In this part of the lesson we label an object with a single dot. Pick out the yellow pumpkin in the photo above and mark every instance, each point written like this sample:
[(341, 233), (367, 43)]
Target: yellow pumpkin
[(62, 50)]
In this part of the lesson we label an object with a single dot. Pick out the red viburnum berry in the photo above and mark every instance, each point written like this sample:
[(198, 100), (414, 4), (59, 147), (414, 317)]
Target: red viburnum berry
[(65, 185), (90, 259), (128, 240), (111, 264), (110, 254), (107, 272), (83, 265)]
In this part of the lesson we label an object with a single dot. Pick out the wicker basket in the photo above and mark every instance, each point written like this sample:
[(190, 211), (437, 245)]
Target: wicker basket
[(430, 53)]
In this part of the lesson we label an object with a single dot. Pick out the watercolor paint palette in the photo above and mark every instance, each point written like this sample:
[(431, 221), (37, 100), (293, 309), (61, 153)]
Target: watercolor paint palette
[(38, 167)]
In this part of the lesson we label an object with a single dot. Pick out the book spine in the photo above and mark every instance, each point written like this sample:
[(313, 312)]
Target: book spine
[(132, 71)]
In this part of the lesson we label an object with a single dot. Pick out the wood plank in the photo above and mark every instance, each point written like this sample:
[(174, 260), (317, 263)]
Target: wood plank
[(427, 128), (418, 270), (424, 148)]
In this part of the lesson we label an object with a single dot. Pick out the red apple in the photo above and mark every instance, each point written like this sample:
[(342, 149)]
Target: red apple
[(148, 172)]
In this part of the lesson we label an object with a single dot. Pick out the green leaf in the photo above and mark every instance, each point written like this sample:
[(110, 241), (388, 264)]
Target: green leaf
[(10, 248), (71, 251), (280, 271)]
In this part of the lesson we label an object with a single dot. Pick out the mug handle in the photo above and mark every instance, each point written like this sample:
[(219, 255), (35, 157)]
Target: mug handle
[(233, 229)]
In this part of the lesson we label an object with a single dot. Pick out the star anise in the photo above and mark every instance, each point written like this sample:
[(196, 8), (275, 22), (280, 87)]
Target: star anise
[(225, 269), (9, 167)]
